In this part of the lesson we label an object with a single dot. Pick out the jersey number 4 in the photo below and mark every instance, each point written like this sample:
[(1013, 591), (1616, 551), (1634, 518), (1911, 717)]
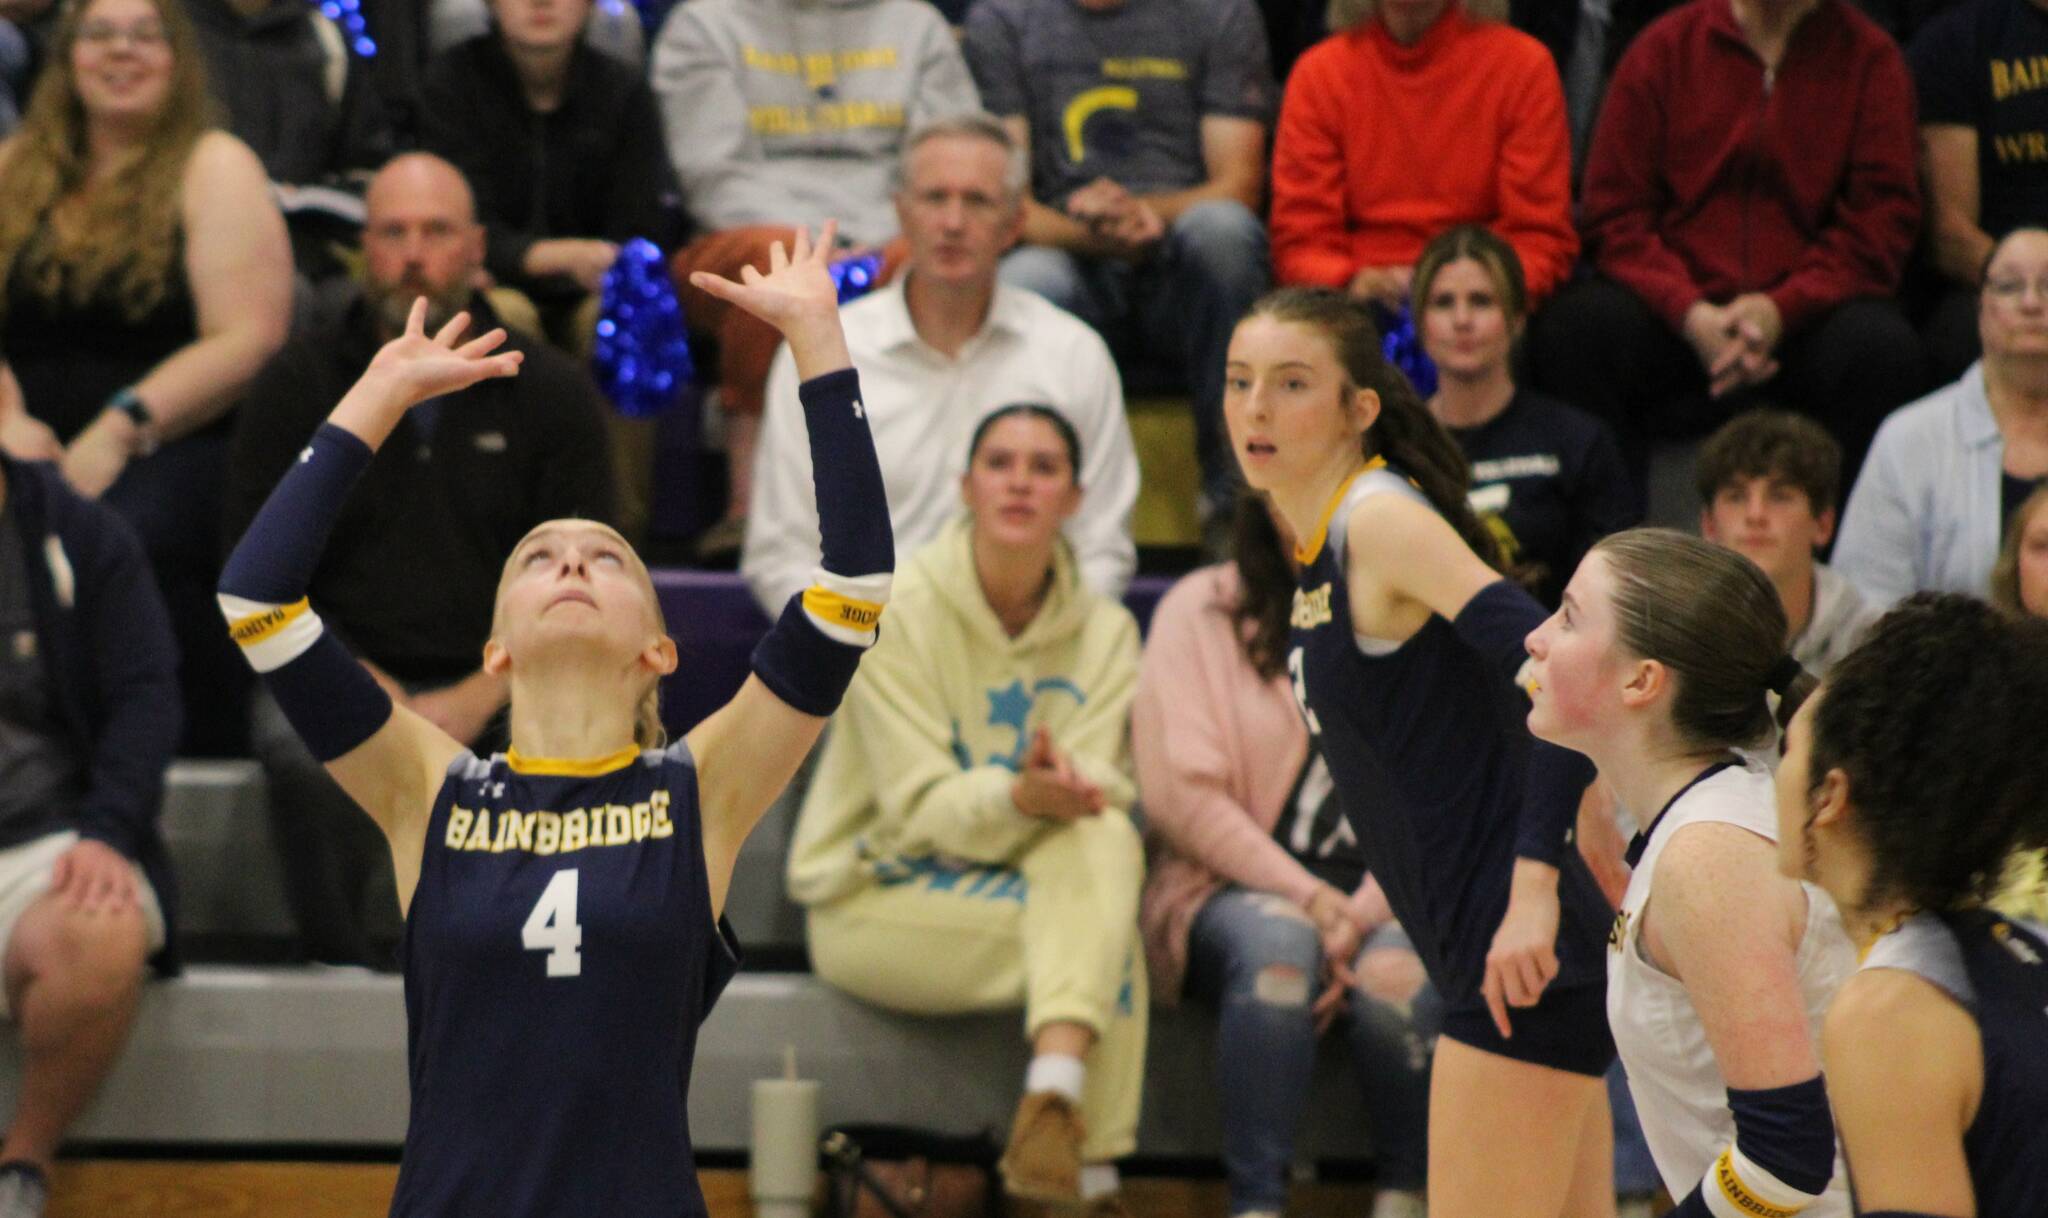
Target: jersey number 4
[(552, 928)]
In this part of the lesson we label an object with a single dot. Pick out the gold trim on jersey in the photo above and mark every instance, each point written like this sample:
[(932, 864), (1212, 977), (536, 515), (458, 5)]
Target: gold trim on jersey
[(1306, 554), (571, 767)]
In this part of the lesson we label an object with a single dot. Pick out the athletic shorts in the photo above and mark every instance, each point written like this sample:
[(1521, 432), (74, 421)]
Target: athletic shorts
[(1565, 1030), (25, 876)]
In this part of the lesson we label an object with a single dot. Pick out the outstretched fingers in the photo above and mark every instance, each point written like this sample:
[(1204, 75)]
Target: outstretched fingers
[(447, 335), (482, 344), (416, 321)]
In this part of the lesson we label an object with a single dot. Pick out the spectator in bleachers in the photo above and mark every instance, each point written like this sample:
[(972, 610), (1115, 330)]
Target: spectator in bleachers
[(779, 114), (88, 723), (1547, 478), (1946, 472), (1983, 151), (966, 843), (1145, 126), (1258, 899), (1749, 201), (411, 573), (297, 94), (563, 146), (1769, 481), (144, 278), (2019, 580), (1420, 117), (937, 351), (614, 27)]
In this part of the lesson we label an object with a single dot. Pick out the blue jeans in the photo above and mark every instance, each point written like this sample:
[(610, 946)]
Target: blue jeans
[(1176, 308), (1259, 959)]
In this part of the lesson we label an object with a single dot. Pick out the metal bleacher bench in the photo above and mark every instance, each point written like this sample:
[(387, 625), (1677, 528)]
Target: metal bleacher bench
[(307, 1056)]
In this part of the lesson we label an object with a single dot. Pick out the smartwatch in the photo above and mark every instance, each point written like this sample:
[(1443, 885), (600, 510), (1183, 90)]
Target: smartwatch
[(129, 403)]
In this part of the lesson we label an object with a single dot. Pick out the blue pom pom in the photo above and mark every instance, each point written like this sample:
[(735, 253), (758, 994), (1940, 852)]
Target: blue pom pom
[(1403, 348), (641, 357)]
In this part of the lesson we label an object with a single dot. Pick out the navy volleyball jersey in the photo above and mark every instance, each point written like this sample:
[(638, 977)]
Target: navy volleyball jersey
[(560, 954), (1997, 969), (1428, 753)]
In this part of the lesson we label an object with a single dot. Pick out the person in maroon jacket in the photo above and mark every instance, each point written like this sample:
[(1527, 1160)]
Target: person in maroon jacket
[(1749, 201)]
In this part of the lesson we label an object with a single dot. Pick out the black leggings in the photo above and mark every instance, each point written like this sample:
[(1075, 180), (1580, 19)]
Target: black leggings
[(1598, 346)]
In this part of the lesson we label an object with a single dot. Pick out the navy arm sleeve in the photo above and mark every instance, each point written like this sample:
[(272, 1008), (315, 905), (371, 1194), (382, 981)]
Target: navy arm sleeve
[(329, 699), (1494, 623)]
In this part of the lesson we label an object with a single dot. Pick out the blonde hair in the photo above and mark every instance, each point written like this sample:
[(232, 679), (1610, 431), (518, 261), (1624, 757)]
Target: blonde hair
[(2005, 573), (648, 731), (121, 233)]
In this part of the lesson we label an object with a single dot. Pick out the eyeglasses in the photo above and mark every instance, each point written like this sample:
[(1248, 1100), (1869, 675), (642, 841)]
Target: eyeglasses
[(146, 34)]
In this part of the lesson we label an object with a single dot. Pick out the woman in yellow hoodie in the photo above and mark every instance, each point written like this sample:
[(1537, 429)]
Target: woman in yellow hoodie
[(966, 843)]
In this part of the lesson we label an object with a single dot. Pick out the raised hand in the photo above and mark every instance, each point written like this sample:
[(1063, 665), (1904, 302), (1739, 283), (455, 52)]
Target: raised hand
[(796, 296), (415, 367)]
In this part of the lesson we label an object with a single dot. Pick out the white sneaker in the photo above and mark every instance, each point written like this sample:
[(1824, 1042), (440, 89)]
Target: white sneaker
[(1393, 1203), (23, 1191)]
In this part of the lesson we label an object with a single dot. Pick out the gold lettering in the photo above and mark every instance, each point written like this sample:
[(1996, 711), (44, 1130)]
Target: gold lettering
[(1144, 67), (481, 839), (618, 825), (520, 835), (1311, 608), (547, 836), (659, 805), (2001, 80), (458, 826), (643, 820), (575, 831)]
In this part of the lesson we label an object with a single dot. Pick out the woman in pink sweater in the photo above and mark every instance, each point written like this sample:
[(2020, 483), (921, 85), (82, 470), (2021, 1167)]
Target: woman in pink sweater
[(1258, 898)]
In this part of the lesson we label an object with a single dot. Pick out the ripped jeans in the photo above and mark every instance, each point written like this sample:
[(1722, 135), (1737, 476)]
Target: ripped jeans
[(1259, 959)]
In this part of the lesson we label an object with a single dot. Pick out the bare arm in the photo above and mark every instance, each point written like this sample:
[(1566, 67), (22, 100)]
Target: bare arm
[(1948, 162), (1891, 1035), (239, 262), (1234, 155), (1044, 225), (1407, 562), (1727, 925)]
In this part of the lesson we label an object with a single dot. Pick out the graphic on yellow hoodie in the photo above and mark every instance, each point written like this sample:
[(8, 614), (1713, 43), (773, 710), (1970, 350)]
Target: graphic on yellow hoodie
[(917, 764)]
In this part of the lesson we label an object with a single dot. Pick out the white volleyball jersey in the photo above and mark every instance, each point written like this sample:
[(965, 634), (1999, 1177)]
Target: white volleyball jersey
[(1681, 1096)]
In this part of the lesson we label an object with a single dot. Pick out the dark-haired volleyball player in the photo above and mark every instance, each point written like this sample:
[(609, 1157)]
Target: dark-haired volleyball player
[(1658, 666), (1405, 644), (1908, 782), (563, 939)]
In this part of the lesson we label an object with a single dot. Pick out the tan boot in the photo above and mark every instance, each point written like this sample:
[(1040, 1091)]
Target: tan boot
[(1043, 1161)]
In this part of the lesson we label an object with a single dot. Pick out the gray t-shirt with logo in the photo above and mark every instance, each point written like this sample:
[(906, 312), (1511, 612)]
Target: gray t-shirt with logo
[(42, 779), (1119, 93)]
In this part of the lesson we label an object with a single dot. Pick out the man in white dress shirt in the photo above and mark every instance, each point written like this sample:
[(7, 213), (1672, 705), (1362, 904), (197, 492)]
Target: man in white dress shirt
[(937, 350)]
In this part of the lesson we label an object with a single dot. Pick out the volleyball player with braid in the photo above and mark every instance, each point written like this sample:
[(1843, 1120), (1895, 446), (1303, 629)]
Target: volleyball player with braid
[(1405, 644), (563, 939), (1659, 665), (1910, 781)]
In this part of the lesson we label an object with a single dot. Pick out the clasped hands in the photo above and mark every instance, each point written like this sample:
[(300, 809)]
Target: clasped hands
[(1737, 342), (1122, 222)]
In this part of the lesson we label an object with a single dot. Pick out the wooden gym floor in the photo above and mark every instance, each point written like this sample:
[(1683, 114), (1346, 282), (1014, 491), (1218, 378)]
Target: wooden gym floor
[(105, 1188)]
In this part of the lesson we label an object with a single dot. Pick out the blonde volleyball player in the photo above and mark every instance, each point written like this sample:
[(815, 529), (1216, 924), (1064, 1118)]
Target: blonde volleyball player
[(563, 938), (1719, 969)]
